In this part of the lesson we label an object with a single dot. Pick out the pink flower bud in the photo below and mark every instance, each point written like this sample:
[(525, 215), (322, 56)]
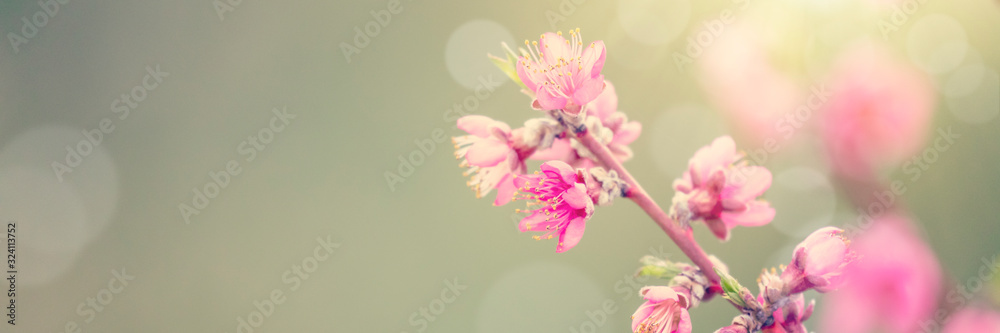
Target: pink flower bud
[(819, 261)]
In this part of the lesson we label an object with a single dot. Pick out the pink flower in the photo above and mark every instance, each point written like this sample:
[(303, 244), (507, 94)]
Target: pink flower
[(819, 261), (665, 310), (562, 73), (877, 115), (722, 191), (892, 288), (491, 156), (973, 320), (563, 203)]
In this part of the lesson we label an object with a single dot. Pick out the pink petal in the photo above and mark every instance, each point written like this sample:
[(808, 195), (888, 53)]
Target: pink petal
[(605, 104), (487, 153), (547, 100), (658, 294), (477, 125), (531, 223), (528, 77), (717, 155), (593, 58), (560, 150), (577, 197), (641, 314), (519, 181), (751, 182), (588, 90), (628, 133), (505, 190), (571, 235), (684, 325), (758, 213), (562, 169), (553, 47)]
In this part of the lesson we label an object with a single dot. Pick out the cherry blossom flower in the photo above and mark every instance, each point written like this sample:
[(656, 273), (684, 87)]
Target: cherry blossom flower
[(491, 155), (892, 288), (665, 310), (721, 190), (563, 74), (563, 202)]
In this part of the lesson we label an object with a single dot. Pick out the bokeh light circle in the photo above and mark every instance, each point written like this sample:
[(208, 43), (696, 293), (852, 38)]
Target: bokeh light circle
[(465, 52), (937, 43), (654, 22)]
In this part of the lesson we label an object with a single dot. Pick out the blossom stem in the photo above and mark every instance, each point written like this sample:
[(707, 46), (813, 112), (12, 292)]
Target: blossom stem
[(684, 240)]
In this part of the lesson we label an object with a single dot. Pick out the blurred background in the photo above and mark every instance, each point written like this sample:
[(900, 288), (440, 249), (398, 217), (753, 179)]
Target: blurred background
[(243, 166)]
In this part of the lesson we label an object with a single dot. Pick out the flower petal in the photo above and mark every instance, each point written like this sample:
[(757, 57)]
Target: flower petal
[(641, 314), (658, 294), (588, 90), (531, 223), (548, 100), (750, 182), (717, 155), (554, 47), (628, 133), (477, 125), (571, 235), (577, 197), (505, 190), (565, 172), (684, 324), (593, 58), (719, 228), (528, 77), (487, 153), (605, 104), (758, 213), (560, 150)]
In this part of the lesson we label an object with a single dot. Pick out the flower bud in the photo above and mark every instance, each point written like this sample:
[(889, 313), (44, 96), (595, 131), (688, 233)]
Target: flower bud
[(819, 261)]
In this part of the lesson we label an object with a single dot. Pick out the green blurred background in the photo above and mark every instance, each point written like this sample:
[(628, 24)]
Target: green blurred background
[(323, 175)]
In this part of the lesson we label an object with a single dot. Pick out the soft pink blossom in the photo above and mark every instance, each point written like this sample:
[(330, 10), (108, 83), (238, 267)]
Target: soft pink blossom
[(491, 155), (877, 115), (973, 320), (665, 310), (819, 261), (893, 287), (563, 204), (563, 74), (722, 190)]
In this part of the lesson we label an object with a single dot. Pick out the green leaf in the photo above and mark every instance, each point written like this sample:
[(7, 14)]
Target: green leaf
[(731, 289), (507, 66), (657, 268)]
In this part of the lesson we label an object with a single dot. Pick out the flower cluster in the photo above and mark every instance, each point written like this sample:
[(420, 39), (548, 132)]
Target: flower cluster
[(563, 77)]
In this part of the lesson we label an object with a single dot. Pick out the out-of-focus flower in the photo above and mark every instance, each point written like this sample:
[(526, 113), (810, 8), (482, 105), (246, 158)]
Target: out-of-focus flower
[(741, 80), (819, 262), (563, 74), (665, 310), (973, 320), (722, 190), (893, 287), (877, 115), (564, 206), (491, 154)]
